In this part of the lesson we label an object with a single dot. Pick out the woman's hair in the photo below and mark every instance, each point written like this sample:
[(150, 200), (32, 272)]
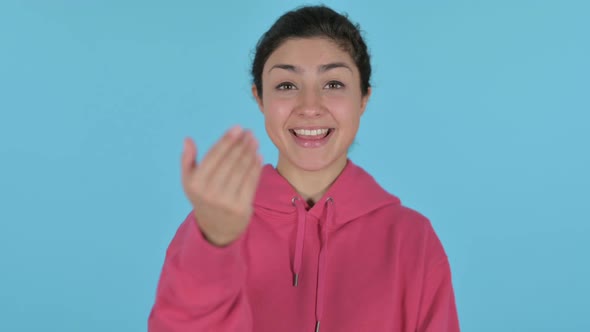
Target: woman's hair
[(309, 22)]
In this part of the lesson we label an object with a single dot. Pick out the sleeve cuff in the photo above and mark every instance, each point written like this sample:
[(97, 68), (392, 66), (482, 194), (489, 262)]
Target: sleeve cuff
[(207, 261)]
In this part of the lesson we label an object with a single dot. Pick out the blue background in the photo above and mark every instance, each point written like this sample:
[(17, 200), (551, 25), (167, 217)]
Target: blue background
[(479, 119)]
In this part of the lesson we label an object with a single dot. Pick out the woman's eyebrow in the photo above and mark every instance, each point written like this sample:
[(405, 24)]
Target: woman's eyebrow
[(292, 68), (333, 65), (321, 68)]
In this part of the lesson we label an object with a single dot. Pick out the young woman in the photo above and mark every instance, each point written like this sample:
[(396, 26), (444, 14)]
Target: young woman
[(314, 243)]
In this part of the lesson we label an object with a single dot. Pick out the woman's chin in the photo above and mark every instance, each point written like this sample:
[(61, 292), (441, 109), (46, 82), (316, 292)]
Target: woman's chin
[(312, 164)]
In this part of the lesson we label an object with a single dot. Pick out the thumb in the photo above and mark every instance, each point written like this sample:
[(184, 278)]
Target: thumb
[(189, 155)]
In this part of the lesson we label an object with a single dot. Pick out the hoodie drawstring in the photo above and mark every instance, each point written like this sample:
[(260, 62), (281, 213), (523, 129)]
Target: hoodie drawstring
[(300, 237), (322, 261)]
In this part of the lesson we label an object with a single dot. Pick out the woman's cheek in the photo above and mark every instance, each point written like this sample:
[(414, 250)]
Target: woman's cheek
[(280, 105), (338, 106)]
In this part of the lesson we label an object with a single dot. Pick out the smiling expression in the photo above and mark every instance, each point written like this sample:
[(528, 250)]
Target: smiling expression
[(312, 103)]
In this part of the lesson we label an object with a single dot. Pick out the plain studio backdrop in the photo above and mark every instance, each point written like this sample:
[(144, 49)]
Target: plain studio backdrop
[(479, 119)]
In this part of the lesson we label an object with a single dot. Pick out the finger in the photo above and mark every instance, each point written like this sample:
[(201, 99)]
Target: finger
[(241, 168), (188, 159), (213, 158), (219, 180), (250, 184)]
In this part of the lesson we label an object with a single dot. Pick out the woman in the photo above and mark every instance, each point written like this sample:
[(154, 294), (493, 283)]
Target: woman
[(315, 242)]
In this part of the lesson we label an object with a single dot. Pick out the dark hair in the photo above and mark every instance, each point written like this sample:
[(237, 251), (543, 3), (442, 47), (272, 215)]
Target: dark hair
[(309, 22)]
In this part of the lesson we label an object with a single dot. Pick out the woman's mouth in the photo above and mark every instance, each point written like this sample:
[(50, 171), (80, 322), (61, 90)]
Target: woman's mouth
[(312, 138)]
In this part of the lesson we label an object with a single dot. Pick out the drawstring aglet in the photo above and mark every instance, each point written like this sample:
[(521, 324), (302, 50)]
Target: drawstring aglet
[(317, 326), (296, 280)]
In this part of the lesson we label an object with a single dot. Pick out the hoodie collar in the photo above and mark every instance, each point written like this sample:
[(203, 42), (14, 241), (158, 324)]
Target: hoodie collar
[(354, 191)]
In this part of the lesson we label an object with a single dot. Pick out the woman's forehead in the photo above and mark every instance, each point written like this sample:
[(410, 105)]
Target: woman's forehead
[(309, 54)]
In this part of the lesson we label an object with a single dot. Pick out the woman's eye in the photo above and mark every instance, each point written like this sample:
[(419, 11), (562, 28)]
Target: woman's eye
[(334, 85), (285, 86)]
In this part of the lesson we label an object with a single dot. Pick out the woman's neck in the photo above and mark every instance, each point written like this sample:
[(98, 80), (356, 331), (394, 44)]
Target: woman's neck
[(311, 185)]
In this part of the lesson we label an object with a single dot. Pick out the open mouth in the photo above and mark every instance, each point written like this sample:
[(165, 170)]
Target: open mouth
[(312, 138), (313, 134)]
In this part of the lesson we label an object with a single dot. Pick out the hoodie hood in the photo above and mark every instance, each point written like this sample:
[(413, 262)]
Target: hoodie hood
[(354, 192)]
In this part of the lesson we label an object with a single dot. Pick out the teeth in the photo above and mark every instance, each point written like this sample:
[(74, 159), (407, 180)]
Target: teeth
[(315, 132)]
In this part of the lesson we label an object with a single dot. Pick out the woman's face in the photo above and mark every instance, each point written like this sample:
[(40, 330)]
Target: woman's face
[(312, 103)]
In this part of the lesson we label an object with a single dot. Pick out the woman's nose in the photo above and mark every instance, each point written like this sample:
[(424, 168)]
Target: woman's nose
[(310, 104)]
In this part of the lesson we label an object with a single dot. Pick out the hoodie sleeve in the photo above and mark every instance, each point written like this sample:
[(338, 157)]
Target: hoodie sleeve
[(438, 311), (201, 286)]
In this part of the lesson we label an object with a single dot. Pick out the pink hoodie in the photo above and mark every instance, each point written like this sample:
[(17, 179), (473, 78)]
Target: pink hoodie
[(356, 261)]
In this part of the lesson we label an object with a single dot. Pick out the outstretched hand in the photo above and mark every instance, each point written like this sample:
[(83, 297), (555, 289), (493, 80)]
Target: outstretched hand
[(222, 186)]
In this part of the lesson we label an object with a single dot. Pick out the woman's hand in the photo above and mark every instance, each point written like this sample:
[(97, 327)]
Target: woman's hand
[(222, 186)]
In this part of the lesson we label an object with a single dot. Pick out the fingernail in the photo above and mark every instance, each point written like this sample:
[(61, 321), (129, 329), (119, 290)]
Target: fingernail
[(235, 131)]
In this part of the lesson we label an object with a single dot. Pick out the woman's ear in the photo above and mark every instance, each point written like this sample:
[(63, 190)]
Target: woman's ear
[(365, 100), (258, 99)]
